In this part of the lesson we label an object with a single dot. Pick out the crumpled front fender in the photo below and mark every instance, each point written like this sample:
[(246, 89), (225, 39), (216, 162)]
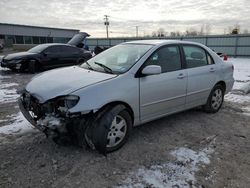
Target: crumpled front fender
[(97, 131)]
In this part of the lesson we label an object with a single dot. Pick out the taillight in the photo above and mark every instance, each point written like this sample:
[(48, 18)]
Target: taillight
[(225, 57)]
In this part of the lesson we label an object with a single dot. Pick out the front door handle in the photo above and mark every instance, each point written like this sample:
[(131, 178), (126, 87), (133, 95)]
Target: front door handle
[(212, 69), (181, 76)]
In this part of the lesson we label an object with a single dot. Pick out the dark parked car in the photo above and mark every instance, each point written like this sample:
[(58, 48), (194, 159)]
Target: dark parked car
[(50, 55)]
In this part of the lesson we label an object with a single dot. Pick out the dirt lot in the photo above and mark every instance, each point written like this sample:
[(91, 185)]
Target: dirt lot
[(218, 145)]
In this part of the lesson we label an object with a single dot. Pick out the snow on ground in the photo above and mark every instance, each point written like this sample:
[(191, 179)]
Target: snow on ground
[(7, 92), (19, 125), (180, 173), (242, 80), (241, 72)]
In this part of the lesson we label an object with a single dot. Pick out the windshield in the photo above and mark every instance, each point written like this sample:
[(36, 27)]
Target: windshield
[(118, 59), (38, 48)]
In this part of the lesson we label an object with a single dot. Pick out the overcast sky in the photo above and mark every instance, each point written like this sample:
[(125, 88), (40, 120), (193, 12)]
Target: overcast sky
[(149, 15)]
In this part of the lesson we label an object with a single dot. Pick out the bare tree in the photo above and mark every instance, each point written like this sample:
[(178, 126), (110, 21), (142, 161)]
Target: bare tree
[(235, 30), (175, 34), (202, 30), (245, 31), (208, 29), (161, 32), (154, 34), (191, 32)]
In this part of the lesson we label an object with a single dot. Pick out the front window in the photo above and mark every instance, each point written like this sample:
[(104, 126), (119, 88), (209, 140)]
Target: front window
[(168, 57), (118, 59), (38, 48)]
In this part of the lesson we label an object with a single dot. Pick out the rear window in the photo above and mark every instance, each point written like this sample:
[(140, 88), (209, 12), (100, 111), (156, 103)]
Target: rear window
[(196, 56)]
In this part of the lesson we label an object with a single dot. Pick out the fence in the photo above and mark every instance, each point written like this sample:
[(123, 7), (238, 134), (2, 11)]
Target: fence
[(232, 45)]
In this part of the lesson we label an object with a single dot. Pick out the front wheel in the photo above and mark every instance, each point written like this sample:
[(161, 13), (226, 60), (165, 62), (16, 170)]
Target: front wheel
[(215, 100), (110, 129), (33, 66)]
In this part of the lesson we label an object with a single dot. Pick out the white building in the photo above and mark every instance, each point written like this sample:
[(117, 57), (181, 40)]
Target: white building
[(23, 34)]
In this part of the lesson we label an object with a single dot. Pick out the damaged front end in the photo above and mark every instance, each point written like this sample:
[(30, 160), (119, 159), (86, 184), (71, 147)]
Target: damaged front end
[(51, 117), (54, 119)]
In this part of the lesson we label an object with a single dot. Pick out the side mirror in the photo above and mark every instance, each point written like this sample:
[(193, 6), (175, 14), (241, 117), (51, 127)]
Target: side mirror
[(151, 70), (46, 53)]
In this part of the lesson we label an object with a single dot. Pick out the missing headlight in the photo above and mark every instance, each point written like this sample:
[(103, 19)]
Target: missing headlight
[(66, 102)]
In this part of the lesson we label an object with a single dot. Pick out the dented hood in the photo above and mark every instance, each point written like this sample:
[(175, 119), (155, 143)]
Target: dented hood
[(63, 81)]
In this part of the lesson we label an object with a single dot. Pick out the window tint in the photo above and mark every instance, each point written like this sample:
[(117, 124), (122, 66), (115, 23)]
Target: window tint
[(53, 49), (195, 56), (167, 57), (69, 50)]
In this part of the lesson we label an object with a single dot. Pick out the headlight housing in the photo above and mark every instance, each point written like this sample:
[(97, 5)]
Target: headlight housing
[(67, 102), (15, 61)]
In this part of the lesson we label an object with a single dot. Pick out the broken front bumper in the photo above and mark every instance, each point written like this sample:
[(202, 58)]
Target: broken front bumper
[(27, 115)]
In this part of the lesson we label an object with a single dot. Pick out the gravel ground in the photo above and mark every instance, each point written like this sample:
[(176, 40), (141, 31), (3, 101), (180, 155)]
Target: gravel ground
[(215, 146)]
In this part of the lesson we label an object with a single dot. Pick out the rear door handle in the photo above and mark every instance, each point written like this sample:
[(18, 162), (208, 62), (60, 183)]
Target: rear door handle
[(181, 76), (212, 69)]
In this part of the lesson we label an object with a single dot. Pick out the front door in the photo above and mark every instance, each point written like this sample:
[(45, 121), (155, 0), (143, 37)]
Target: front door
[(164, 93)]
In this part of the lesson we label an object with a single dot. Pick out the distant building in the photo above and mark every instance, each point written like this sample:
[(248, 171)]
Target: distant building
[(23, 34)]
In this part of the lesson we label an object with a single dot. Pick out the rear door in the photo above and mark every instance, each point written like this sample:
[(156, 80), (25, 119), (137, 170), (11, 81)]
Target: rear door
[(163, 93), (201, 72), (70, 55)]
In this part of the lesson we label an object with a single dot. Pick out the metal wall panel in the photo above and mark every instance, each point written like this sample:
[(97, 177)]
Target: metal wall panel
[(35, 31), (200, 40), (243, 51), (225, 41), (244, 41), (227, 50), (116, 41), (103, 42), (233, 45)]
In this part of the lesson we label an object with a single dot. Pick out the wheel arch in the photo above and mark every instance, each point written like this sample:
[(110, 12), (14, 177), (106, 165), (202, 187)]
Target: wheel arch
[(223, 84), (114, 103)]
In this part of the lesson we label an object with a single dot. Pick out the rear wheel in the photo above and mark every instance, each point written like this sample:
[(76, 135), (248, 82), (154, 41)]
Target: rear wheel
[(33, 66), (215, 100)]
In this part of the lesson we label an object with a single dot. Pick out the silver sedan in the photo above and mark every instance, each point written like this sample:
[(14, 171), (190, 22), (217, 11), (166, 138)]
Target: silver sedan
[(98, 102)]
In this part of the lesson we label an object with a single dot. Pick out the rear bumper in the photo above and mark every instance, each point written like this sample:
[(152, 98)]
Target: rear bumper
[(229, 85)]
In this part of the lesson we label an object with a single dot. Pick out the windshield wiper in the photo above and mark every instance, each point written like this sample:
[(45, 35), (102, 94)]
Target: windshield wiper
[(107, 69), (89, 66)]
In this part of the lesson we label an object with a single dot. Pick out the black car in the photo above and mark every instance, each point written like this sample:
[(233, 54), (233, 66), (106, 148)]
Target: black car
[(50, 55)]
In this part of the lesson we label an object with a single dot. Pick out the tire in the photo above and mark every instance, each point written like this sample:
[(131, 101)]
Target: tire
[(110, 129), (23, 67), (215, 100), (33, 66)]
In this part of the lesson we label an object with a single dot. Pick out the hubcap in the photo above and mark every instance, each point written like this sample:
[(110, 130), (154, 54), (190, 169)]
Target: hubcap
[(217, 99), (117, 131)]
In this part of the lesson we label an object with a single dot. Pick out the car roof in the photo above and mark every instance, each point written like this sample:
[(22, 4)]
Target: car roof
[(158, 42)]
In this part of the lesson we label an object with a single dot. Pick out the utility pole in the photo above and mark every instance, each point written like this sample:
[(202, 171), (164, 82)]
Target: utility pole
[(106, 22), (137, 27)]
